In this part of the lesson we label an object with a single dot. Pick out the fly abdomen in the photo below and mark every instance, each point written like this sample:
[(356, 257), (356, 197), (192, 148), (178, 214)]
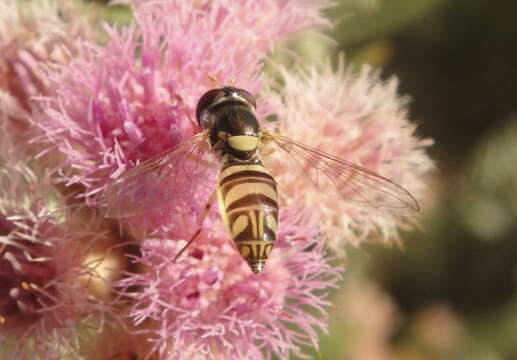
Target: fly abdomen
[(248, 203)]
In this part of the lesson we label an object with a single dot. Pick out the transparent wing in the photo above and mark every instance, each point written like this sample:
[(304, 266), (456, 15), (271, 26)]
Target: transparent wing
[(353, 182), (185, 173)]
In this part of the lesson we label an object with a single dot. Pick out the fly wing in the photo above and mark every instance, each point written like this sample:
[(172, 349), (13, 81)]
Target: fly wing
[(185, 173), (352, 182)]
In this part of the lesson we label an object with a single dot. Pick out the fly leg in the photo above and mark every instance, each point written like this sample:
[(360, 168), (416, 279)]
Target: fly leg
[(214, 80), (202, 218), (217, 84)]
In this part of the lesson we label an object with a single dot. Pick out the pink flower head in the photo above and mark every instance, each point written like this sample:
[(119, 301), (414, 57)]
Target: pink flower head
[(209, 304), (33, 36), (357, 117), (136, 96), (42, 248)]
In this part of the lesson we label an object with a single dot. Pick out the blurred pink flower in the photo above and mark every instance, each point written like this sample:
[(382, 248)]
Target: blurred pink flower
[(33, 37), (370, 335), (42, 252), (135, 97), (209, 305), (356, 116)]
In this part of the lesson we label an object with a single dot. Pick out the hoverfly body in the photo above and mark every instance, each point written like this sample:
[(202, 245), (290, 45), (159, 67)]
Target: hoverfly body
[(246, 192)]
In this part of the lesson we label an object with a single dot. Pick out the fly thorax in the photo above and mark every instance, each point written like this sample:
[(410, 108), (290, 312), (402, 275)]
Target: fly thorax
[(236, 131)]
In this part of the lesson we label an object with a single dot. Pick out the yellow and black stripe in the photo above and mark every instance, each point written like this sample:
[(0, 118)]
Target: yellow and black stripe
[(248, 203)]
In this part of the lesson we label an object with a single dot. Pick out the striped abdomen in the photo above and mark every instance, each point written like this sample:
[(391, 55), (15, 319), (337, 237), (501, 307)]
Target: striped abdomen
[(248, 203)]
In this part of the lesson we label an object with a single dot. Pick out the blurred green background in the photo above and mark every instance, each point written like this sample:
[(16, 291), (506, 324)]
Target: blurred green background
[(451, 293)]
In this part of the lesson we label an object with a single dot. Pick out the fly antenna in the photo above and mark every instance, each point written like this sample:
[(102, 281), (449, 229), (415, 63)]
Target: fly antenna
[(214, 81)]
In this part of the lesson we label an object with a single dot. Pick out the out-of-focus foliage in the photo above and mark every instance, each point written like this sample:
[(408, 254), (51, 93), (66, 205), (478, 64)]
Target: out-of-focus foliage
[(491, 208), (361, 21)]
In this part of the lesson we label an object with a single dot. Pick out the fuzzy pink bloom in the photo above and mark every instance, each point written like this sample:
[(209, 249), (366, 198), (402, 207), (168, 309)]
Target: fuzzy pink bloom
[(42, 252), (136, 96), (33, 36), (371, 334), (355, 116), (208, 305)]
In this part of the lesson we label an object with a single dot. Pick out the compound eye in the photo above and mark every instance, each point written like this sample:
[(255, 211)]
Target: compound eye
[(204, 102), (248, 97)]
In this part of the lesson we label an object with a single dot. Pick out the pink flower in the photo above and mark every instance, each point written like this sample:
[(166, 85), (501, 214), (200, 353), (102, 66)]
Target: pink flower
[(135, 97), (33, 36), (208, 304), (43, 276), (357, 117), (372, 334)]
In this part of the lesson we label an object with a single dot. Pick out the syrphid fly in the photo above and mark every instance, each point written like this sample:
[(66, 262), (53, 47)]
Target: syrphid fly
[(246, 191)]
